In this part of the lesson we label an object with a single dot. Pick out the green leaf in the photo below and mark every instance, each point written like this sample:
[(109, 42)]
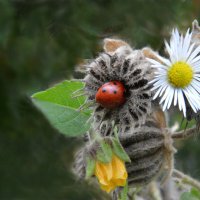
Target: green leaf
[(60, 108), (61, 94), (188, 196), (104, 154), (119, 151), (195, 193), (90, 167), (118, 148)]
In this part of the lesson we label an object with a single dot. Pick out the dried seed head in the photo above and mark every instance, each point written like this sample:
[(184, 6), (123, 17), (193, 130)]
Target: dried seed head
[(133, 70), (150, 149), (196, 32), (111, 45)]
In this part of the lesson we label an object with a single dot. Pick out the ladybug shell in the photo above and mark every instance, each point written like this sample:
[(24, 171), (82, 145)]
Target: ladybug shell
[(111, 95)]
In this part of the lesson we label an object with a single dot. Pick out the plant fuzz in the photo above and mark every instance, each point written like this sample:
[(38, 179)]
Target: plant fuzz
[(149, 148), (130, 68)]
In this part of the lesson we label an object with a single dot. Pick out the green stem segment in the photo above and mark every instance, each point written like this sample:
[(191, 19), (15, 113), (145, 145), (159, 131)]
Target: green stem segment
[(186, 179)]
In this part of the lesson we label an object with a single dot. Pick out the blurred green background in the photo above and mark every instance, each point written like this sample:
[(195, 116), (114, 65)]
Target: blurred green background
[(40, 43)]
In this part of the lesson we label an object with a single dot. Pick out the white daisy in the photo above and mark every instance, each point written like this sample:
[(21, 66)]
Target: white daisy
[(178, 78)]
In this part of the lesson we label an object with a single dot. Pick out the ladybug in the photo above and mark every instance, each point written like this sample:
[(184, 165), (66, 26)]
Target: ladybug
[(111, 95)]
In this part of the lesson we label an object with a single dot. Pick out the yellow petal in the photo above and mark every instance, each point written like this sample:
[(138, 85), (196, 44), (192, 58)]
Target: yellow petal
[(119, 182), (103, 171), (100, 174), (108, 188), (119, 169), (107, 167)]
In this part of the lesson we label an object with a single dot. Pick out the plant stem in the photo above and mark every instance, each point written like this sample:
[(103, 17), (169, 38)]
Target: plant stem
[(186, 179), (154, 191), (184, 134)]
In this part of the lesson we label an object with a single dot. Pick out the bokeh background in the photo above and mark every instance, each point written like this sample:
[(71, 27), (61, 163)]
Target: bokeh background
[(41, 41)]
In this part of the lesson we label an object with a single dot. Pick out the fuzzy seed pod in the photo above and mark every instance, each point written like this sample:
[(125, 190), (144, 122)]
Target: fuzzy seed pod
[(150, 149), (131, 68)]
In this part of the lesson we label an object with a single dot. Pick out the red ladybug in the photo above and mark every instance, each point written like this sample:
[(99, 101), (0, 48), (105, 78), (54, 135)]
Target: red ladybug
[(111, 95)]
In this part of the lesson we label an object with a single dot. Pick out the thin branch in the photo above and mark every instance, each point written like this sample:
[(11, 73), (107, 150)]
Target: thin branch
[(154, 191), (86, 105), (186, 179), (184, 134)]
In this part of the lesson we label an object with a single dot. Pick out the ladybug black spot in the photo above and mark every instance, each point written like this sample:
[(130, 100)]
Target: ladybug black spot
[(115, 83), (103, 90), (115, 92)]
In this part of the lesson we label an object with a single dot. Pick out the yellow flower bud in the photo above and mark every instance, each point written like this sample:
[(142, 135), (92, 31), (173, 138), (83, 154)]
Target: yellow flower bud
[(111, 175)]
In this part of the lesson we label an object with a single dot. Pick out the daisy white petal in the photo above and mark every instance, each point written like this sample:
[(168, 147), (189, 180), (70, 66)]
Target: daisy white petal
[(168, 47), (195, 60), (197, 78), (175, 96), (157, 85), (167, 91), (186, 43), (190, 99), (196, 66), (159, 91), (179, 99), (163, 89), (165, 103), (158, 82), (189, 51), (194, 54), (170, 99), (196, 85), (194, 95)]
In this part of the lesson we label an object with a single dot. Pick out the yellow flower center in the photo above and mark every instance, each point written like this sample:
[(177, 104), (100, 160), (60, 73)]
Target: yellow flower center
[(180, 74)]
